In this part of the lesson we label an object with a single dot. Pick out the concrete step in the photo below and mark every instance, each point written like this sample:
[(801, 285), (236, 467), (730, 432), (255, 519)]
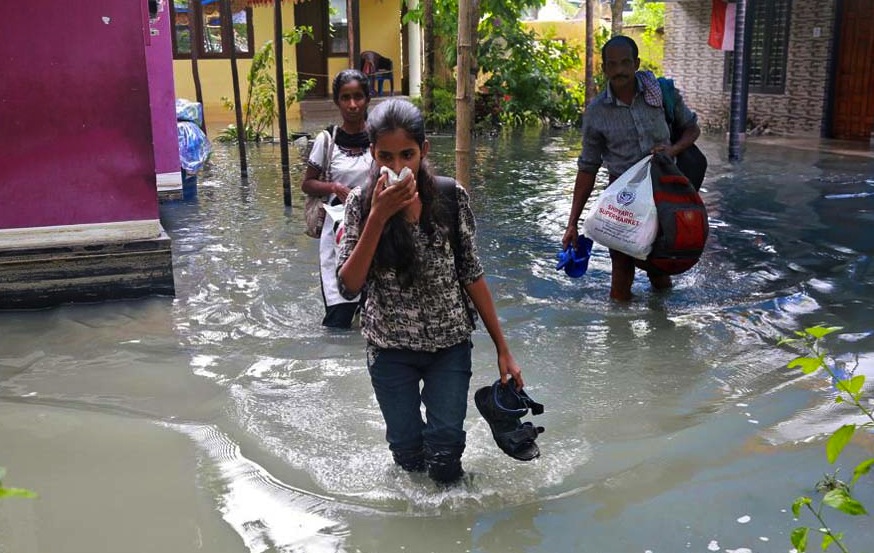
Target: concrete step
[(41, 277)]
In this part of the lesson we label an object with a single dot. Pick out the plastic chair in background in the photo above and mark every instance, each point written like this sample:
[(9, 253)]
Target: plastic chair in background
[(378, 69)]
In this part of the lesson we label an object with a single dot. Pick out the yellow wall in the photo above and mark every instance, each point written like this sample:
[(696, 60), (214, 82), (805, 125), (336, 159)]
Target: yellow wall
[(377, 33), (215, 75), (574, 32), (381, 32)]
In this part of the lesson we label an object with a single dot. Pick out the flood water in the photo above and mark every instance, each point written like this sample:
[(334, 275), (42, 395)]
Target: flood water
[(227, 419)]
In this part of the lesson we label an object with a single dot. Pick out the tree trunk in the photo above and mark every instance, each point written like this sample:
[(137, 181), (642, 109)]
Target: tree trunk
[(464, 93), (616, 9), (590, 51), (427, 89)]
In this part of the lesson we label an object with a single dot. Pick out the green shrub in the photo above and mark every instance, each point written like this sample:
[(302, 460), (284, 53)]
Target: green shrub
[(261, 111), (835, 494)]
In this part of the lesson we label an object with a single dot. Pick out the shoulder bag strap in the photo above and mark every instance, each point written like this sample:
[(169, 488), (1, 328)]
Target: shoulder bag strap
[(329, 138)]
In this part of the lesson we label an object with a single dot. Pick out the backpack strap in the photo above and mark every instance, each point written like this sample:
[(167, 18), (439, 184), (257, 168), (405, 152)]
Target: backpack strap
[(445, 187), (669, 102), (669, 99)]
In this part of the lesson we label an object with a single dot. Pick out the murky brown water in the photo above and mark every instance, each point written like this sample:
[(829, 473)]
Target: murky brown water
[(227, 419)]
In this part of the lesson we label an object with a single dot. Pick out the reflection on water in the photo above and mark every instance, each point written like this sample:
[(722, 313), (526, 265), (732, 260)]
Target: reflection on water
[(676, 400)]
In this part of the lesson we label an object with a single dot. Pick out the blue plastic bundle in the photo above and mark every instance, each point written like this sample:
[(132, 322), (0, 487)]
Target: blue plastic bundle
[(575, 261), (194, 146), (186, 110)]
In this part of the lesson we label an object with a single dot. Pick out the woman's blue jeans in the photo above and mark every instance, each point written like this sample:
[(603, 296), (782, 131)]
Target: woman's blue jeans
[(437, 442)]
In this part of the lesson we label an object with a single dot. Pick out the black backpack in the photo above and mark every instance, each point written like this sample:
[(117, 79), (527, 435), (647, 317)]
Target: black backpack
[(683, 224), (690, 161)]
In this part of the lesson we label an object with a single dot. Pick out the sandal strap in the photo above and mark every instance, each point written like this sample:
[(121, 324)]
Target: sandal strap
[(524, 434)]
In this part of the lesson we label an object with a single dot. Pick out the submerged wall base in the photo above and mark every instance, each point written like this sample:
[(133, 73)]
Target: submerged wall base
[(37, 277)]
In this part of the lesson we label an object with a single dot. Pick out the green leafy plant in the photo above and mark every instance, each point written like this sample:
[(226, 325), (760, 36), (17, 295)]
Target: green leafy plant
[(12, 492), (525, 74), (261, 111), (835, 493), (441, 118), (528, 73)]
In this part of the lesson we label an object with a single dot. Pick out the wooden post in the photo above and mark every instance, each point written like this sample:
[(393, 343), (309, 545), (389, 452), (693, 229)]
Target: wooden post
[(196, 41), (463, 95), (350, 32), (280, 101), (228, 40)]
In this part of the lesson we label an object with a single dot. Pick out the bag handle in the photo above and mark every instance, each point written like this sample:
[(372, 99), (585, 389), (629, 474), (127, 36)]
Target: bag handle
[(329, 138)]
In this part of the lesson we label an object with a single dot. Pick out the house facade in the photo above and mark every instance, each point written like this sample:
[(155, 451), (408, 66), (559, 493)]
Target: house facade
[(333, 46), (811, 68), (79, 214)]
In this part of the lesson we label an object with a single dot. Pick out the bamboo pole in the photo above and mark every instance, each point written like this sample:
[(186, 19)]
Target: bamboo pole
[(463, 95), (280, 101), (427, 88), (228, 40), (590, 51)]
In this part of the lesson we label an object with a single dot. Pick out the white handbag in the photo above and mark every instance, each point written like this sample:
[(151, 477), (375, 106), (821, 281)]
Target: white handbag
[(624, 217)]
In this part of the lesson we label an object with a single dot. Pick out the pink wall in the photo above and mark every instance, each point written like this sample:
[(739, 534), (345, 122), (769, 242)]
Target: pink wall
[(159, 60), (74, 114)]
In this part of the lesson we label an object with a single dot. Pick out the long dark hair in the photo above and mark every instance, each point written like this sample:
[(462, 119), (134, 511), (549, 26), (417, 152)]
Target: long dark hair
[(396, 247)]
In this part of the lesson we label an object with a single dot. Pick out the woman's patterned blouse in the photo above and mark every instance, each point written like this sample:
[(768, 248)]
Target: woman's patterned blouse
[(432, 313)]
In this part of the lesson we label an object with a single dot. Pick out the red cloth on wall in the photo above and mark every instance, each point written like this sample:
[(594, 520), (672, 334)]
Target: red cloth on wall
[(722, 25)]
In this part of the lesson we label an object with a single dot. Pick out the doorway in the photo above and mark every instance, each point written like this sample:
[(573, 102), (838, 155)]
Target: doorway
[(312, 59), (853, 108)]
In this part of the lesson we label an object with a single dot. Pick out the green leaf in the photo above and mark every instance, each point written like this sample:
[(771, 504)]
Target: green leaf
[(827, 540), (862, 468), (798, 503), (808, 365), (852, 386), (838, 440), (16, 492), (820, 331), (799, 538), (839, 499), (784, 341)]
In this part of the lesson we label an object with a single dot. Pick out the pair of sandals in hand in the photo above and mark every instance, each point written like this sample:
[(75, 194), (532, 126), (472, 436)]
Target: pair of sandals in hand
[(503, 408)]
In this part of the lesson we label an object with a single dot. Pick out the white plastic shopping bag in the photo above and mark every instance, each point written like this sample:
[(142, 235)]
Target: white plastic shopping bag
[(624, 217)]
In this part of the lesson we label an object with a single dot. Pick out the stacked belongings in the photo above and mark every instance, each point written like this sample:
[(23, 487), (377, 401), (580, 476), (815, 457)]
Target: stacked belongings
[(503, 407)]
